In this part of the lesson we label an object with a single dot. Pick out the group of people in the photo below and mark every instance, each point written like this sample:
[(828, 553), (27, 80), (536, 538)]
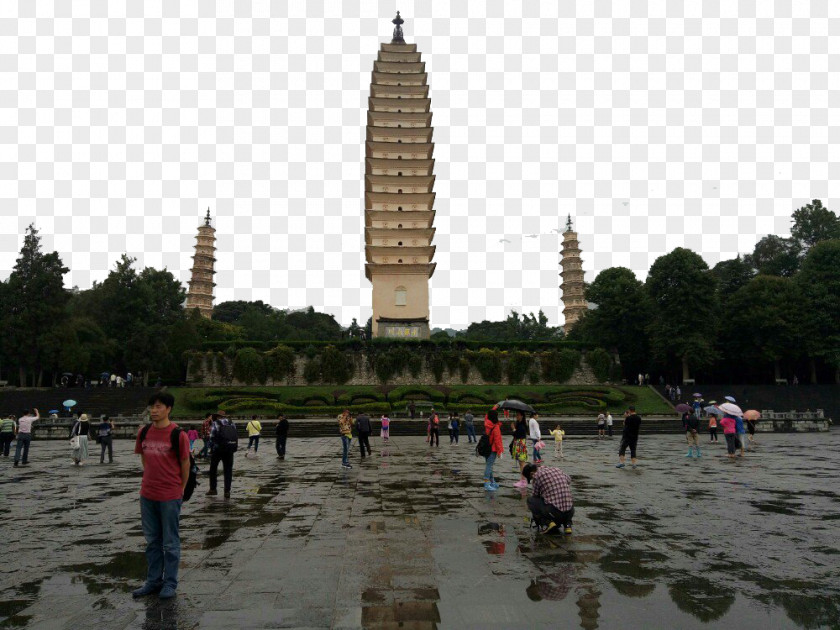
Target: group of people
[(364, 428)]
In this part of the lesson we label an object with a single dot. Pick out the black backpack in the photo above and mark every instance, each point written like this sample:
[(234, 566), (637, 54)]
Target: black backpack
[(227, 438), (175, 441), (483, 449)]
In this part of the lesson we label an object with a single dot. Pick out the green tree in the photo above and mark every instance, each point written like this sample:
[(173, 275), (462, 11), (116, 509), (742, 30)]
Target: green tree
[(683, 323), (249, 366), (813, 223), (775, 256), (34, 304), (620, 320), (759, 322), (819, 283), (732, 274)]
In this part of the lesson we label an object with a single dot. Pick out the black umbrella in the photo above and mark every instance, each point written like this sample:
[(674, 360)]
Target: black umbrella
[(516, 404)]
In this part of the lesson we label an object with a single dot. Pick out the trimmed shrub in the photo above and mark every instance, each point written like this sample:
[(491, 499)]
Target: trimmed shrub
[(558, 366), (437, 364), (312, 370), (533, 377), (489, 365), (517, 365), (248, 366), (335, 366), (600, 361), (464, 369), (280, 363)]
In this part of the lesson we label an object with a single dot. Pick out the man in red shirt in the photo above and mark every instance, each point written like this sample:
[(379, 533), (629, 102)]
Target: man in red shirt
[(164, 479), (551, 498)]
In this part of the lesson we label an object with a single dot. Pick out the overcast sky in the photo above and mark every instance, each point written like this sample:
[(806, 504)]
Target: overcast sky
[(655, 125)]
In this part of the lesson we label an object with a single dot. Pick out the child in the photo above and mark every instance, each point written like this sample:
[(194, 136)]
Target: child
[(386, 427), (558, 434), (192, 436)]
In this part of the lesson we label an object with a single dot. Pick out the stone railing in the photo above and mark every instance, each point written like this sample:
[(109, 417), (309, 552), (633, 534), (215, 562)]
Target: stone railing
[(769, 414)]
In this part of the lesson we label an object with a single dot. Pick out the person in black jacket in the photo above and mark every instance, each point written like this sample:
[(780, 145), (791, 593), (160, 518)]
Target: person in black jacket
[(282, 434), (363, 427), (692, 434)]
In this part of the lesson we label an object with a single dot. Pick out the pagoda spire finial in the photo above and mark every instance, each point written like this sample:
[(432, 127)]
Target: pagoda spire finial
[(569, 223), (207, 218), (398, 32)]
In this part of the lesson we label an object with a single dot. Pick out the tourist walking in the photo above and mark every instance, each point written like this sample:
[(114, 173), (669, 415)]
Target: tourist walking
[(345, 428), (456, 428), (468, 425), (79, 439), (602, 423), (741, 430), (282, 435), (254, 428), (385, 428), (434, 429), (364, 430), (8, 431), (520, 447), (493, 431), (225, 441), (205, 435), (535, 436), (558, 434), (713, 424), (728, 424), (750, 422), (609, 424), (106, 439), (165, 474), (551, 498), (24, 435), (192, 436), (692, 434), (449, 426), (629, 436)]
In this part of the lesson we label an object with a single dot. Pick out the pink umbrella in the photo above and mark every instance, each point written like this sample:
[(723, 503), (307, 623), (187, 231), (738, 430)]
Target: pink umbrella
[(752, 414)]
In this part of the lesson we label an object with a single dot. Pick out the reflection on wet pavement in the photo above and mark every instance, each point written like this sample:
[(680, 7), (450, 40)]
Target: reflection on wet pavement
[(409, 539)]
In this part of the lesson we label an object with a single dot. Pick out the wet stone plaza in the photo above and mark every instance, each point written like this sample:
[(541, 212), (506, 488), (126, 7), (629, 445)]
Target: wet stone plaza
[(410, 539)]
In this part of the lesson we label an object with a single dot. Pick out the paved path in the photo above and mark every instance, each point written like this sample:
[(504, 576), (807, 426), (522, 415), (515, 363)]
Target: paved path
[(408, 539)]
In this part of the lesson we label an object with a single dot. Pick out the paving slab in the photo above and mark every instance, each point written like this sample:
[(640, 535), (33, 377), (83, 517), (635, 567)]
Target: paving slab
[(408, 538)]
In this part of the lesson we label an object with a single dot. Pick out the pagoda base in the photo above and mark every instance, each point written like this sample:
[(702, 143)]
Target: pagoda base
[(389, 328)]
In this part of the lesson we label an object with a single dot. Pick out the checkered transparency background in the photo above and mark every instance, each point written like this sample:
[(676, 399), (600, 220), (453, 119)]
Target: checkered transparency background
[(656, 125)]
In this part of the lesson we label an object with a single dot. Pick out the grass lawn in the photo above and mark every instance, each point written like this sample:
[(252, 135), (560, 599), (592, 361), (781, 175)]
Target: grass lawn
[(330, 400)]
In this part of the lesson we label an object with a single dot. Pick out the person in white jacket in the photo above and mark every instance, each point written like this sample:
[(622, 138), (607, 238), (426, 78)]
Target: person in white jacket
[(534, 434)]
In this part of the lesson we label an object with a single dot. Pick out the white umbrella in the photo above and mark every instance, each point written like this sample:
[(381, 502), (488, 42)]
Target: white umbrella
[(731, 409)]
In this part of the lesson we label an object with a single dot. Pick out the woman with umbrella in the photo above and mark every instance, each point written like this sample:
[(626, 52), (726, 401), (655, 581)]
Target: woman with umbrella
[(751, 416)]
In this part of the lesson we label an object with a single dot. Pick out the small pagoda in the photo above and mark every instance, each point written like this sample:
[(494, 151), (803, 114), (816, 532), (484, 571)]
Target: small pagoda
[(200, 294), (574, 300)]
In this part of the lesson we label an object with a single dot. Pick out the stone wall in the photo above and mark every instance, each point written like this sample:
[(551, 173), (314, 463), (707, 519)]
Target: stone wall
[(364, 375)]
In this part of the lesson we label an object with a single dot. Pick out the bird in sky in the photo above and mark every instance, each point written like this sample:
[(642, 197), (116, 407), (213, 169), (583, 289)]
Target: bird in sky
[(504, 240), (555, 230), (531, 235)]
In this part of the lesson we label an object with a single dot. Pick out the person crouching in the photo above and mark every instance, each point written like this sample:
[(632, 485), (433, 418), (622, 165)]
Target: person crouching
[(551, 499)]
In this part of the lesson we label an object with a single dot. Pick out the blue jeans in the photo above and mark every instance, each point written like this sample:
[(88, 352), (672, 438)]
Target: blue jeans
[(23, 440), (254, 441), (488, 467), (471, 433), (345, 444), (159, 520)]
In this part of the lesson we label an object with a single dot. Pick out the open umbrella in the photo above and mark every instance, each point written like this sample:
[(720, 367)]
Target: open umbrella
[(517, 405), (752, 414), (696, 395), (711, 409), (683, 408), (730, 399), (731, 409), (69, 403)]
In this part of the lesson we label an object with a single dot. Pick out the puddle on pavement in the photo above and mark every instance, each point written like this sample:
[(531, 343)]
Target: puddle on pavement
[(777, 507), (701, 598), (16, 599), (633, 563)]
